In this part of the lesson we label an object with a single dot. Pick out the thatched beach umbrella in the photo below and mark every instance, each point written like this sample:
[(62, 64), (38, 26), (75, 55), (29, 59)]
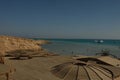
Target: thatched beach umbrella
[(85, 71)]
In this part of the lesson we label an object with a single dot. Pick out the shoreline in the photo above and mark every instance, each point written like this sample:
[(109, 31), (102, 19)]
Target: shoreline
[(68, 48), (39, 67)]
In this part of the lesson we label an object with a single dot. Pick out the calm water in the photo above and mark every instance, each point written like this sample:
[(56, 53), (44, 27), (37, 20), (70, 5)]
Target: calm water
[(82, 46)]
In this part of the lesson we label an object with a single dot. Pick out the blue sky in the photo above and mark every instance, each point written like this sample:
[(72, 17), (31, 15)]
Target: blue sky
[(61, 18)]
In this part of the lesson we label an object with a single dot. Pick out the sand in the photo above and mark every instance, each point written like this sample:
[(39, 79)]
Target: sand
[(37, 68)]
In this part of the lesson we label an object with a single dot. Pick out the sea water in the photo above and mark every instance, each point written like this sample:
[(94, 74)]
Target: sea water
[(82, 46)]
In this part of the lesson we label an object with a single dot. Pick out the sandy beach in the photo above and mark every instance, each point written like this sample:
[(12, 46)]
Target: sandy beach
[(28, 60), (59, 39), (37, 68)]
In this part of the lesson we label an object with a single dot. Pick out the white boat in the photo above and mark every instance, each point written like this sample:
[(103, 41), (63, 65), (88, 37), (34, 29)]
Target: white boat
[(99, 41)]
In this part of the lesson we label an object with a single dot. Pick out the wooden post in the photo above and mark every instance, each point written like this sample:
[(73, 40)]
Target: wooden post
[(2, 59)]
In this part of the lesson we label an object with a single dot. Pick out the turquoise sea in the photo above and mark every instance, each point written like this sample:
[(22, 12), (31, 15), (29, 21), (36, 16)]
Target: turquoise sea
[(82, 46)]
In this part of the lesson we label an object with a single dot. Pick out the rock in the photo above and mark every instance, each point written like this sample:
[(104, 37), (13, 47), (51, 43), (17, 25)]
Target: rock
[(40, 42), (9, 43)]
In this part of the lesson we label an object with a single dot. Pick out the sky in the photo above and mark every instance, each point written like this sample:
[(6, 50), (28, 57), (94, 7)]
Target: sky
[(61, 18)]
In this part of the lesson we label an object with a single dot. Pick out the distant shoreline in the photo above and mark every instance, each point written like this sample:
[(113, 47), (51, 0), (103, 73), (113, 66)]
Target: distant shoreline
[(64, 47)]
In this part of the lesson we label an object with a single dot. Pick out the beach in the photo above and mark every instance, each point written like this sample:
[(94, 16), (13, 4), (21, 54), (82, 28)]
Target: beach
[(59, 39), (84, 47), (44, 57), (37, 68)]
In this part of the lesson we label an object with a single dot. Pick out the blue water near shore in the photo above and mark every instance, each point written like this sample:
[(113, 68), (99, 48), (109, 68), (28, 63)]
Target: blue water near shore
[(82, 46)]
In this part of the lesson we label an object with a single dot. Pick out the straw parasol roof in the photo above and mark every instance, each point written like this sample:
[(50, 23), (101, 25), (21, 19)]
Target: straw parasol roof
[(85, 71), (104, 59), (110, 60)]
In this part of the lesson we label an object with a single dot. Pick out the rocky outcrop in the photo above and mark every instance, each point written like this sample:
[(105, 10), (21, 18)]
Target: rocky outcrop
[(9, 43), (40, 42)]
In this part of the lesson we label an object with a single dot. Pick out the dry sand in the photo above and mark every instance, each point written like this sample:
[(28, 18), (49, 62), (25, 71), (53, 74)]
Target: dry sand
[(37, 68)]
